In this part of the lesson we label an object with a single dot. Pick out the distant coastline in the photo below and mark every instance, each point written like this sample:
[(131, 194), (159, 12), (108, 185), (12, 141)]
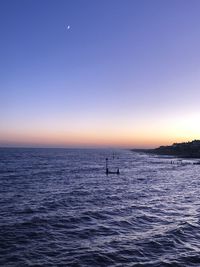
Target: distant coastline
[(183, 150)]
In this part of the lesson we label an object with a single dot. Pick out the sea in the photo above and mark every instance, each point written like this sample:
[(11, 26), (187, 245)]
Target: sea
[(59, 208)]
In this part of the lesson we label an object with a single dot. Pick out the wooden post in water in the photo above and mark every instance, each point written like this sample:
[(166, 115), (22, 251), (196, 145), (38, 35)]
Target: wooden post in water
[(106, 165), (111, 172)]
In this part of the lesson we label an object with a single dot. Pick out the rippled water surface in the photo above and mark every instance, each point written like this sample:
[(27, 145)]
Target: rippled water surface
[(58, 208)]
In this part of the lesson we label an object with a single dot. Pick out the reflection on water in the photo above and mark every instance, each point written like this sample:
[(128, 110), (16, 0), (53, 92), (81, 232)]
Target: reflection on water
[(58, 208)]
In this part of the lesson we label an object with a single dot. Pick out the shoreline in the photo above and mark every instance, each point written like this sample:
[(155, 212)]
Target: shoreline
[(179, 150)]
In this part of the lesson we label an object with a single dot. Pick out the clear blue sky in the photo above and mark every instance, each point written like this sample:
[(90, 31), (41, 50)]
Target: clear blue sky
[(127, 72)]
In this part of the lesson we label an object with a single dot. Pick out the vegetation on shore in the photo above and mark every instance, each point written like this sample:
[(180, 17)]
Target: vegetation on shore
[(185, 150)]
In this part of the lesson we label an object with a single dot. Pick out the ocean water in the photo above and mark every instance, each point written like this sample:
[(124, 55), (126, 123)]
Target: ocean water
[(58, 208)]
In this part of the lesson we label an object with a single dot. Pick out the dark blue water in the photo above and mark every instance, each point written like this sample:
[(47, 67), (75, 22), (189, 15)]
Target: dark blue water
[(58, 208)]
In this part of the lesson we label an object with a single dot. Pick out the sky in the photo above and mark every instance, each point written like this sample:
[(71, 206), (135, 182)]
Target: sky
[(126, 73)]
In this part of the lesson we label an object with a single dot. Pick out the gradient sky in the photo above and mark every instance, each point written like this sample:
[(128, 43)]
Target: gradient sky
[(126, 73)]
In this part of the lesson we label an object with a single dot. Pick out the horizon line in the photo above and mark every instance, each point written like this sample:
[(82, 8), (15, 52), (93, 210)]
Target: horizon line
[(72, 147)]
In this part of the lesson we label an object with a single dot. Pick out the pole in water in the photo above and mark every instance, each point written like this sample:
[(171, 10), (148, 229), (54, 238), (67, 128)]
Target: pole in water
[(111, 172), (106, 165)]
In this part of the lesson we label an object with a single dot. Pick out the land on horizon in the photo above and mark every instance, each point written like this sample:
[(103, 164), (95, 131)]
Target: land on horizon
[(184, 150)]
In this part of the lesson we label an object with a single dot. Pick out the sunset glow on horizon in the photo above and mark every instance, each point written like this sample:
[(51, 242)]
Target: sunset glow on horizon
[(123, 74)]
